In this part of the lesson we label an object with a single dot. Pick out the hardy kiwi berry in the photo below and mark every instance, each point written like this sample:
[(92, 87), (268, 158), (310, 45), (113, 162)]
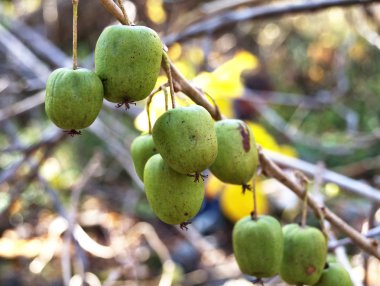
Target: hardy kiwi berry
[(258, 245), (128, 60), (237, 160), (334, 274), (305, 251), (186, 139), (173, 197), (73, 98), (142, 149)]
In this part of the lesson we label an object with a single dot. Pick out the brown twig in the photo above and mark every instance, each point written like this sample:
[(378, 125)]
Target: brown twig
[(114, 10), (273, 170), (125, 15)]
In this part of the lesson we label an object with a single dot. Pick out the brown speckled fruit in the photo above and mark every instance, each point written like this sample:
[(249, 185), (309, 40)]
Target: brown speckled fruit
[(237, 158), (305, 251)]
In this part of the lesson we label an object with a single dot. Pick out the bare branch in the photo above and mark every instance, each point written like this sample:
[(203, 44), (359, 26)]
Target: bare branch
[(230, 18), (370, 246)]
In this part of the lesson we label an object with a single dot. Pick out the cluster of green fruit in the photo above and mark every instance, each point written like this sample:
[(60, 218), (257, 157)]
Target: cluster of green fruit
[(184, 142), (263, 249), (127, 64)]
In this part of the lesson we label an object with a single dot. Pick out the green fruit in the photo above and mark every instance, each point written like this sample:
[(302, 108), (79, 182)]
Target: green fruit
[(186, 139), (174, 198), (237, 158), (128, 61), (73, 98), (142, 149), (305, 252), (258, 246), (334, 275)]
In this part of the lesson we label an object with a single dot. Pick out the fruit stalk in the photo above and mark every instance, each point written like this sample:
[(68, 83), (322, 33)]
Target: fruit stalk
[(304, 208), (168, 71), (254, 212), (75, 33), (125, 15)]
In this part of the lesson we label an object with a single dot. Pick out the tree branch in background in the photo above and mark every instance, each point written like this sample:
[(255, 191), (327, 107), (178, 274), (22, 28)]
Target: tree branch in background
[(230, 18)]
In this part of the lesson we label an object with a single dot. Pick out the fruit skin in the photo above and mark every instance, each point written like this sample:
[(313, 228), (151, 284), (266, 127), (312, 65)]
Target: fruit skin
[(73, 98), (173, 197), (142, 148), (237, 159), (128, 61), (258, 245), (305, 252), (186, 139), (334, 275)]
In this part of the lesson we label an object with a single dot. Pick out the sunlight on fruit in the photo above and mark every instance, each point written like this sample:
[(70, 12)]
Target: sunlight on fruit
[(156, 11), (332, 189)]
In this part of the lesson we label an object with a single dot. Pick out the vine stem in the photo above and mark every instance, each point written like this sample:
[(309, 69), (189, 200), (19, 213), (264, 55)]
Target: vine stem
[(125, 15), (75, 34)]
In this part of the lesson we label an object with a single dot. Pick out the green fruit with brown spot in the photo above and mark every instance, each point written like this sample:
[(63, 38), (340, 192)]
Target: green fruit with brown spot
[(305, 252), (174, 198), (73, 98), (258, 246), (186, 139), (334, 274), (142, 148), (237, 159), (128, 61)]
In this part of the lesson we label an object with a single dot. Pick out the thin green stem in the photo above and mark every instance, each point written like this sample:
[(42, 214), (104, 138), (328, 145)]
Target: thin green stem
[(254, 212), (169, 75), (75, 33), (304, 207), (166, 97), (127, 20)]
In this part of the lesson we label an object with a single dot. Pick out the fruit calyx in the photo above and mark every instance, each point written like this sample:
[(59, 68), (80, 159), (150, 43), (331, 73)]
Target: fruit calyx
[(246, 187), (184, 225), (258, 281), (198, 176), (72, 132), (125, 102)]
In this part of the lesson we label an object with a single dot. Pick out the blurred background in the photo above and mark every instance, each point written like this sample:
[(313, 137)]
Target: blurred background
[(74, 210)]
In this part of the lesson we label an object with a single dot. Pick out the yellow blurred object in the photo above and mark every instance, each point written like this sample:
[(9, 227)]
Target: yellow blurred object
[(236, 205), (224, 83), (233, 203), (175, 51), (265, 140), (156, 11)]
